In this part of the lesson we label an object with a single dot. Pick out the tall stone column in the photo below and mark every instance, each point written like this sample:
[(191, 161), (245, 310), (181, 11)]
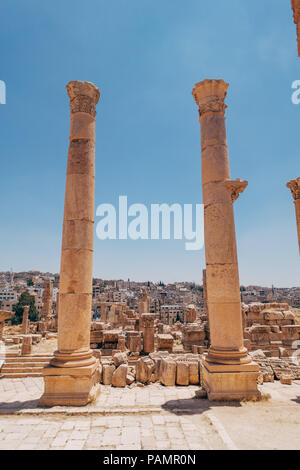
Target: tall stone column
[(294, 186), (73, 375), (47, 300), (204, 292), (25, 321), (148, 329), (228, 371)]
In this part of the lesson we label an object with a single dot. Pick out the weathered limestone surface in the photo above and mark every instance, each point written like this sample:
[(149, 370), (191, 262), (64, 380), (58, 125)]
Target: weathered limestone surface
[(294, 186), (193, 334), (46, 313), (25, 320), (182, 373), (73, 376), (144, 304), (165, 342), (119, 376), (26, 345), (4, 315), (228, 371), (148, 329), (144, 370), (271, 327), (168, 372)]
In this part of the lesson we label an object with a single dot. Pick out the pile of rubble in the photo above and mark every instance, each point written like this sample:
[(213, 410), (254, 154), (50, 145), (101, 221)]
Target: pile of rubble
[(168, 369), (286, 370), (272, 328)]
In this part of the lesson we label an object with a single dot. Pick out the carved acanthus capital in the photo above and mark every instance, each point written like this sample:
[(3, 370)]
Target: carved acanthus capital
[(210, 95), (148, 320), (83, 97), (296, 12), (294, 186), (236, 187)]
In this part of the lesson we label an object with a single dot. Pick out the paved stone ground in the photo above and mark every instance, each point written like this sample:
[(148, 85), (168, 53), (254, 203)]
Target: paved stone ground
[(152, 417)]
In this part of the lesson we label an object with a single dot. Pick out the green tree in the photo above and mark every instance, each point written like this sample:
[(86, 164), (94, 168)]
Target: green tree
[(178, 318), (24, 299), (30, 282)]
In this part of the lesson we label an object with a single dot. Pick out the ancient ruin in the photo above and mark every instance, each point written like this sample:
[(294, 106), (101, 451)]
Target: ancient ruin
[(294, 186), (73, 375), (228, 370)]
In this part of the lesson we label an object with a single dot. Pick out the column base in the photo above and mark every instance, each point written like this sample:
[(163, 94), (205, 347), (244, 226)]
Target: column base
[(224, 382), (68, 386)]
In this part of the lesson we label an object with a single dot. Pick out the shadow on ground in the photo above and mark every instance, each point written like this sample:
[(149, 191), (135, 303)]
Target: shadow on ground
[(296, 400), (195, 405), (18, 405)]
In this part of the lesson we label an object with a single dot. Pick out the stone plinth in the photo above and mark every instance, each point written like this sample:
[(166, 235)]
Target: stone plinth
[(73, 375), (227, 353), (148, 329), (230, 382), (294, 186)]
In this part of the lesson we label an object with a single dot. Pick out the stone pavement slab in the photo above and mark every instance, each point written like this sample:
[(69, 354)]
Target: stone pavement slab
[(131, 419)]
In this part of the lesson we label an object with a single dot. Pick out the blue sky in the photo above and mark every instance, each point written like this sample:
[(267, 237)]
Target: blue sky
[(146, 56)]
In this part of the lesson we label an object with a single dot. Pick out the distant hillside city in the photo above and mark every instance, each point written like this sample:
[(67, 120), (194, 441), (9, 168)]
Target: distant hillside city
[(169, 300)]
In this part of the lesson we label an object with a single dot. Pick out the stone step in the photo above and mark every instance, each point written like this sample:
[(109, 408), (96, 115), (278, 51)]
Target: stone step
[(27, 363), (19, 359), (20, 375), (21, 368)]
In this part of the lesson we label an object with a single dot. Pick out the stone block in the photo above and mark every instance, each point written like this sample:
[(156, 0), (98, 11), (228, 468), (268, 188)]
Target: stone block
[(120, 358), (168, 372), (119, 376), (107, 373), (144, 370), (182, 373)]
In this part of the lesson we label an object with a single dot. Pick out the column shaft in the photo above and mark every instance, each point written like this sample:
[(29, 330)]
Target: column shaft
[(73, 376), (228, 371)]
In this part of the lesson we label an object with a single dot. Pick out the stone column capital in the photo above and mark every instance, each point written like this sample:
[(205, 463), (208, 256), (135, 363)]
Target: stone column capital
[(83, 97), (296, 14), (236, 187), (148, 320), (296, 10), (294, 186), (210, 95)]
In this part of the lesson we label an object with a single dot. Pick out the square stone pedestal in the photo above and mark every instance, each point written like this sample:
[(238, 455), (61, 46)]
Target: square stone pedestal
[(76, 386), (230, 382)]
